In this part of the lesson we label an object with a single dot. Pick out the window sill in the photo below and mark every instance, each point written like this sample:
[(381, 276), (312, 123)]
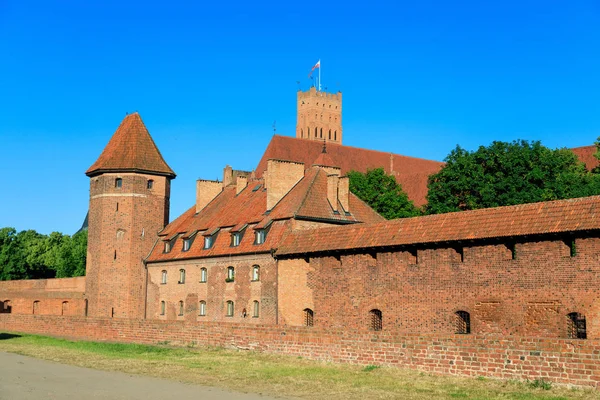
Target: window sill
[(181, 283), (255, 280), (163, 283), (202, 282)]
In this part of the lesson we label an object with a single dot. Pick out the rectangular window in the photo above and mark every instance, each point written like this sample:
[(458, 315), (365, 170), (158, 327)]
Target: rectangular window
[(256, 309), (260, 236), (203, 274), (230, 308), (208, 241), (187, 244), (202, 309), (162, 308), (236, 239), (118, 183)]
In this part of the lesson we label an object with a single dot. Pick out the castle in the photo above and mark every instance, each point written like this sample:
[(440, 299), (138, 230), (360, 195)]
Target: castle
[(286, 259)]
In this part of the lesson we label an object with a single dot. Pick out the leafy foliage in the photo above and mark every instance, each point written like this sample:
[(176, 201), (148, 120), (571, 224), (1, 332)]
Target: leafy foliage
[(508, 174), (31, 255), (382, 193)]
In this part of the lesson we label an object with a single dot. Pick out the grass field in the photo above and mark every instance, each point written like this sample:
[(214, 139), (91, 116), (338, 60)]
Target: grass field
[(278, 375)]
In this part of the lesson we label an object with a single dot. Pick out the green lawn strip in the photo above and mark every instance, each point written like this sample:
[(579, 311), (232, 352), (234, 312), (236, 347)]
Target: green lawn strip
[(279, 375)]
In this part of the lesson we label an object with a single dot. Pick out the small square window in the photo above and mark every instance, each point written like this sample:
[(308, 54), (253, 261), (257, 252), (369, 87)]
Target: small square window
[(149, 184)]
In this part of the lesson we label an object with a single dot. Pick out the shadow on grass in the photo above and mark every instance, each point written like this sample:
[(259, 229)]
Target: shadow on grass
[(6, 336)]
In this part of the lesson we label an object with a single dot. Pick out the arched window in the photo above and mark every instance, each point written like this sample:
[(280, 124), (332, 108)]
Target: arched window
[(316, 130), (181, 276), (65, 308), (335, 135), (163, 279), (202, 308), (118, 183), (230, 308), (180, 307), (321, 133), (330, 134), (375, 320), (462, 322), (308, 317), (576, 326), (163, 307), (36, 307), (256, 309), (255, 273), (230, 274), (149, 184), (6, 307), (203, 275), (301, 132)]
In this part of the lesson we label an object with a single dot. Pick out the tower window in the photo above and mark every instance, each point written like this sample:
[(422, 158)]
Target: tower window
[(163, 307), (255, 273), (203, 275), (180, 308), (308, 317), (118, 183), (230, 274), (163, 279), (256, 309), (576, 326), (149, 184), (462, 322), (202, 308), (181, 276), (376, 320), (230, 308), (330, 134), (321, 133), (315, 130), (335, 135)]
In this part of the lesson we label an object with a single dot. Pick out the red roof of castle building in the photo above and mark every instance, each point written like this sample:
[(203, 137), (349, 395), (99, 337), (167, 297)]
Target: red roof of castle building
[(131, 149), (527, 219), (410, 172), (586, 155), (306, 200)]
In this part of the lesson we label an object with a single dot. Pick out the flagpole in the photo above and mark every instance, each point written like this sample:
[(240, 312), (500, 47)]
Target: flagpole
[(319, 74)]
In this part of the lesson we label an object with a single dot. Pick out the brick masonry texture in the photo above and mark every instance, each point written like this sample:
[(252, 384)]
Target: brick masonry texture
[(556, 360)]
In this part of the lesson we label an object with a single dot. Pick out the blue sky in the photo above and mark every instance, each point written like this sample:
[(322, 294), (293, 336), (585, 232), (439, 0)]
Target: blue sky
[(209, 79)]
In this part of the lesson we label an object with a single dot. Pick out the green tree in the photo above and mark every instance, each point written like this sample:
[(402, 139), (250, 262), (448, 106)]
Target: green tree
[(504, 174), (382, 193), (72, 256)]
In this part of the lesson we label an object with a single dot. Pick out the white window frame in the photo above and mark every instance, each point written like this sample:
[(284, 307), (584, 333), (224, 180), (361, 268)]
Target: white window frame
[(255, 273), (203, 275), (202, 308), (163, 278)]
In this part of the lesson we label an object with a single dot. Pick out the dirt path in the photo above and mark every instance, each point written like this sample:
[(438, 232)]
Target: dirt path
[(26, 378)]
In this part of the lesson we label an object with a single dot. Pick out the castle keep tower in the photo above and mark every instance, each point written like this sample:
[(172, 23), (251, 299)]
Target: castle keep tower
[(129, 204), (319, 116)]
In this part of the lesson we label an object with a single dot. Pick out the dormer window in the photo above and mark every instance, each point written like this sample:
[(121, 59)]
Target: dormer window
[(187, 243), (118, 183), (236, 238), (167, 247), (209, 238), (260, 236)]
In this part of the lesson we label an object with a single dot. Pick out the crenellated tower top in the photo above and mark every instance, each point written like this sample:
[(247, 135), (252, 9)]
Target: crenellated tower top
[(319, 116)]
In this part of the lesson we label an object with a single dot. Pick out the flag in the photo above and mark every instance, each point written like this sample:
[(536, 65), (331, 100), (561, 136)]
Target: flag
[(317, 65)]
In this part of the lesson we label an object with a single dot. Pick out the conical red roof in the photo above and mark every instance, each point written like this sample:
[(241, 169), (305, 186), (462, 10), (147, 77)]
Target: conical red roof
[(131, 149)]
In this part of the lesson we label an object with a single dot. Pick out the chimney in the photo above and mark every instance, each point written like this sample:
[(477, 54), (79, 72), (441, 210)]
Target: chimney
[(241, 182), (343, 192), (281, 177), (227, 176), (206, 191), (332, 191)]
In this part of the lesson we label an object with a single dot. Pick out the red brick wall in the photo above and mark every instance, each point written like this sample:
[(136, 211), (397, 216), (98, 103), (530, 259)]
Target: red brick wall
[(116, 285), (53, 296), (557, 360), (529, 296), (216, 291)]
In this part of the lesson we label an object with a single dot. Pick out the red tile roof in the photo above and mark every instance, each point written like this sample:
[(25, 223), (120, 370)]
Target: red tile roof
[(131, 149), (527, 219), (410, 172), (586, 155), (306, 200)]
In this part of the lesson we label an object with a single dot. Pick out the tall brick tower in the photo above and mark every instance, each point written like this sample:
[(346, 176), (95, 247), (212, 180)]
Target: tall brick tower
[(319, 116), (130, 185)]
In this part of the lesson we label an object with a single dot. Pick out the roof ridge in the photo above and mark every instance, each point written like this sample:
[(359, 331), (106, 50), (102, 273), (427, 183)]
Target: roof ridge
[(307, 191)]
